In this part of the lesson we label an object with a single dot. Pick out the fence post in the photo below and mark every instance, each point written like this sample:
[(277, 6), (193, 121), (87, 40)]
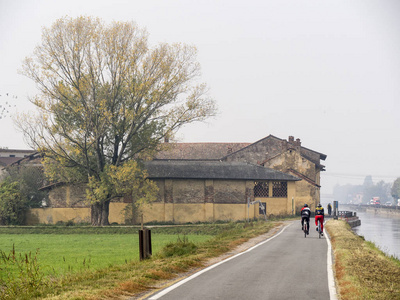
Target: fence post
[(145, 249)]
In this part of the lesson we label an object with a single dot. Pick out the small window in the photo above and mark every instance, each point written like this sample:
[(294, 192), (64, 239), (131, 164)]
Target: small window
[(279, 189), (261, 189), (12, 155)]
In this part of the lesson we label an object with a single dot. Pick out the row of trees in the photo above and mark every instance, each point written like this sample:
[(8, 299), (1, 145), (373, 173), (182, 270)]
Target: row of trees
[(387, 192), (107, 101), (396, 190)]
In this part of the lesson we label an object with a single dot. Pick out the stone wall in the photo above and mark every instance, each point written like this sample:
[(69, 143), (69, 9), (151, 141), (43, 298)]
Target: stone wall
[(258, 152), (72, 196)]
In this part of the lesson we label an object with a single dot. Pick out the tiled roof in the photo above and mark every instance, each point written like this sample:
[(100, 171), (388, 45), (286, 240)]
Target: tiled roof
[(5, 161), (202, 151), (166, 169)]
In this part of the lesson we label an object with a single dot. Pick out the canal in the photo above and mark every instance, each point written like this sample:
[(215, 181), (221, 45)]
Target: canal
[(383, 231)]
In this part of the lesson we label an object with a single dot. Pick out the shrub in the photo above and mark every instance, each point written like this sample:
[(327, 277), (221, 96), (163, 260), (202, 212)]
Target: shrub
[(21, 277), (180, 248), (12, 204)]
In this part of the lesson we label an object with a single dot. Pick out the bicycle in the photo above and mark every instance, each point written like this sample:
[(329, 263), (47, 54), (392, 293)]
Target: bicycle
[(305, 228), (319, 229)]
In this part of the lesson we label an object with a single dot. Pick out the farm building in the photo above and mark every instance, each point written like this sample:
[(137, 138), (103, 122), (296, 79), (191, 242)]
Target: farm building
[(201, 182), (287, 156)]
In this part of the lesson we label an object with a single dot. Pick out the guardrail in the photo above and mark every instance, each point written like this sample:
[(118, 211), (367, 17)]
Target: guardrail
[(396, 207), (350, 217), (346, 214)]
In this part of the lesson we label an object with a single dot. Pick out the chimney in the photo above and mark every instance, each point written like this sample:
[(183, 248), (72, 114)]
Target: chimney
[(298, 143), (291, 139)]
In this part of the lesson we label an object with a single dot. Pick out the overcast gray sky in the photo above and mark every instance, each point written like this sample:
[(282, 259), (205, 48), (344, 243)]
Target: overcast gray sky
[(327, 72)]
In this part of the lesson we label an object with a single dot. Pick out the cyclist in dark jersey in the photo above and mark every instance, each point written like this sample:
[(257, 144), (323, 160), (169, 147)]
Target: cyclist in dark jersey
[(305, 215)]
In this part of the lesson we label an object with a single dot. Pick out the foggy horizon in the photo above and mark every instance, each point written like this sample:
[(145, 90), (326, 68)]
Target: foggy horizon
[(326, 72)]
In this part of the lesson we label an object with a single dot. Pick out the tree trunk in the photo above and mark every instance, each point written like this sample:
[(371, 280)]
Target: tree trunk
[(99, 213)]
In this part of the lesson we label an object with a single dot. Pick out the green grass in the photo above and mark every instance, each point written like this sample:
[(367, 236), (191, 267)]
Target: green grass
[(64, 253), (111, 253), (362, 271)]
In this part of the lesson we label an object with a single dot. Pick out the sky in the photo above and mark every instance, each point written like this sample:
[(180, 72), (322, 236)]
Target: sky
[(327, 72)]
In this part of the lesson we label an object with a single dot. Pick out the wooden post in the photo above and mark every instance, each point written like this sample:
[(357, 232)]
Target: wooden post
[(145, 249), (141, 245)]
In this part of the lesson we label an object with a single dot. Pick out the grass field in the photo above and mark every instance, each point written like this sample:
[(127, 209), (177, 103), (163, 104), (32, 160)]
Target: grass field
[(112, 256), (63, 253)]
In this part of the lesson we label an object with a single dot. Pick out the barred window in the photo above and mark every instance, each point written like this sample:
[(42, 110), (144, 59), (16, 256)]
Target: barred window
[(261, 189), (279, 189)]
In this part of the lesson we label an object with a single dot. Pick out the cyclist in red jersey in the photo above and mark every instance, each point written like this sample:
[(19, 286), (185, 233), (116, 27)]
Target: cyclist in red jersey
[(319, 215)]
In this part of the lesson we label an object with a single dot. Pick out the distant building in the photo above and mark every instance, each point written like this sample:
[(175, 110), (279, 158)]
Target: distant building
[(10, 156)]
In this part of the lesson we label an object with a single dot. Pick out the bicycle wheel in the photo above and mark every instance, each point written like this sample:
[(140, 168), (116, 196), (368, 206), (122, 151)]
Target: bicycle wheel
[(319, 228), (305, 227)]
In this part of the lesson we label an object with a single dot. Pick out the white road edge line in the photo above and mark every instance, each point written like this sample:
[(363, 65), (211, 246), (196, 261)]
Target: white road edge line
[(331, 277), (174, 286)]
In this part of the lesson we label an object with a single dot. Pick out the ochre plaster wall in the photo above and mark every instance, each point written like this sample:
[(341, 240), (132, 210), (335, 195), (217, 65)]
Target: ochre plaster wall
[(199, 212), (52, 215), (179, 202), (160, 212), (281, 206)]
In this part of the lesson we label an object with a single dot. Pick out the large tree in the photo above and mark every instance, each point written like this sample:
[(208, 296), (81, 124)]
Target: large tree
[(107, 98)]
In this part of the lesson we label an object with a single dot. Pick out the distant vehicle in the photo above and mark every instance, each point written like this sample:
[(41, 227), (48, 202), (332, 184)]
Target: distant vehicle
[(388, 203), (375, 201)]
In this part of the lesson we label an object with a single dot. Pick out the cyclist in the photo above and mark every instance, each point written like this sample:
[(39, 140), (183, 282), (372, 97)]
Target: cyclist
[(305, 215), (329, 209), (319, 215)]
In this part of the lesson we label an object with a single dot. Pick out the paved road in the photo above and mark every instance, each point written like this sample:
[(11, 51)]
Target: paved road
[(286, 266)]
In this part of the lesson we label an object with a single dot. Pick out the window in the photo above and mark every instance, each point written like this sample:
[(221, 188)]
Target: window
[(279, 189), (261, 189)]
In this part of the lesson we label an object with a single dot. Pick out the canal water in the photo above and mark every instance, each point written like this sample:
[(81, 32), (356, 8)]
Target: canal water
[(383, 231)]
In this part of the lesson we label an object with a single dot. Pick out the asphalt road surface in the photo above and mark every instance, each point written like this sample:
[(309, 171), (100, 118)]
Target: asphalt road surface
[(286, 266)]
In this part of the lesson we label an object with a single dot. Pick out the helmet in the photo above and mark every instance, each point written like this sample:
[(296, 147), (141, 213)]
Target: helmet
[(319, 205), (306, 205)]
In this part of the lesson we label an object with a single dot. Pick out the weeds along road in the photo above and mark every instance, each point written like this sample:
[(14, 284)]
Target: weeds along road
[(286, 266)]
